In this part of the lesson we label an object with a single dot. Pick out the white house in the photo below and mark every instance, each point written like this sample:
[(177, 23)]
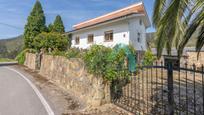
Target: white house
[(127, 26)]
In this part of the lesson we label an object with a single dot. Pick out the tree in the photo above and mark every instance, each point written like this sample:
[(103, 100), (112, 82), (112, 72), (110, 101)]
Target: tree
[(3, 50), (52, 40), (176, 21), (149, 58), (58, 25), (35, 24), (49, 28)]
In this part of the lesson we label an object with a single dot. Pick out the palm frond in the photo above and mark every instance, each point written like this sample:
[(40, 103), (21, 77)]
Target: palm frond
[(179, 33), (183, 19), (158, 11), (200, 41), (190, 31), (168, 23), (161, 41), (198, 4)]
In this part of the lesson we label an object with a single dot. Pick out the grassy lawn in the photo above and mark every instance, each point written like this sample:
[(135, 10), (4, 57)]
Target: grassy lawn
[(6, 60)]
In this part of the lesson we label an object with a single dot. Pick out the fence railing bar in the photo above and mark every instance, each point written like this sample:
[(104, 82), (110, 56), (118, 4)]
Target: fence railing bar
[(203, 86), (127, 91), (152, 105), (156, 83), (146, 93), (131, 92), (140, 75), (186, 66), (147, 89), (123, 93), (194, 90), (170, 80), (117, 93), (175, 69), (179, 77), (162, 82), (154, 66), (192, 70), (143, 105), (135, 88)]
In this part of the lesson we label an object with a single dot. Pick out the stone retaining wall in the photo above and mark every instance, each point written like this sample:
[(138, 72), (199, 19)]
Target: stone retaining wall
[(30, 60), (71, 75), (192, 58)]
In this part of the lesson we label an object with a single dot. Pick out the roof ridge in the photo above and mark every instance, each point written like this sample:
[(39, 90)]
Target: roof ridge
[(108, 14)]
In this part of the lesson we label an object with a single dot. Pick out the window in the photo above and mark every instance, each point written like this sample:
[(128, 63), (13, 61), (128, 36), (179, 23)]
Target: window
[(140, 21), (90, 38), (108, 36), (124, 35), (77, 40), (138, 37)]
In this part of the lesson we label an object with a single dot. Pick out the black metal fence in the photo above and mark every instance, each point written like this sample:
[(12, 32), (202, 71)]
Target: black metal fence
[(162, 90)]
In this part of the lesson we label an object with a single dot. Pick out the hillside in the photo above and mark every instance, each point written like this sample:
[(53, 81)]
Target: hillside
[(152, 42), (9, 48)]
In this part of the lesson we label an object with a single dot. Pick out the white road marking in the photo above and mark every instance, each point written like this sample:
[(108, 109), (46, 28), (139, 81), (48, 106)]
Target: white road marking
[(42, 99)]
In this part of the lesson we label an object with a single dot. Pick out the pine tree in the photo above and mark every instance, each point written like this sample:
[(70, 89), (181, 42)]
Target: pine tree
[(58, 25), (35, 24), (49, 28)]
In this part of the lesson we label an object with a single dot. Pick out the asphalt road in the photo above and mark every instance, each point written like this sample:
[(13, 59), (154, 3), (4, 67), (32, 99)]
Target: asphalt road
[(18, 96)]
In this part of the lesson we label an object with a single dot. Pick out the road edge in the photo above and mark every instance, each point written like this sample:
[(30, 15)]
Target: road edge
[(40, 96)]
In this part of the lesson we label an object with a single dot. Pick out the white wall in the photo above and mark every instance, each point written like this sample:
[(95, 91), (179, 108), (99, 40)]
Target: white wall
[(135, 27), (124, 31), (119, 30)]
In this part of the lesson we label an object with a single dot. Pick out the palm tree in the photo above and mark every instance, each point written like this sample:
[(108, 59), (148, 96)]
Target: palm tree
[(176, 21)]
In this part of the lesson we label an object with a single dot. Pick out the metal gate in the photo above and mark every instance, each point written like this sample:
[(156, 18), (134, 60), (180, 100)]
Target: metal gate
[(162, 90)]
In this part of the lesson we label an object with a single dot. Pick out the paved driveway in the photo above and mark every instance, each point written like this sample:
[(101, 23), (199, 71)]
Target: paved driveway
[(19, 97)]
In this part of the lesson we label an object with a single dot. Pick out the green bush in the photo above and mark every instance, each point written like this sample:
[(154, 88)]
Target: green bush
[(132, 49), (53, 41), (73, 53), (21, 57), (101, 61), (149, 58), (57, 53)]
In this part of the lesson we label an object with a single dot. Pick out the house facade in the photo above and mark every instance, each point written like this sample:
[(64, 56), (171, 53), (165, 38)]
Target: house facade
[(126, 26)]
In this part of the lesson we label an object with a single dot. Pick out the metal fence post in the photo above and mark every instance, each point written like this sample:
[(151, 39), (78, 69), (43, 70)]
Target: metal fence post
[(170, 89)]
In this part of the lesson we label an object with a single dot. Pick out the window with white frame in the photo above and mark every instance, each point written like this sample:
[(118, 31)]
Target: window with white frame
[(90, 38), (108, 36)]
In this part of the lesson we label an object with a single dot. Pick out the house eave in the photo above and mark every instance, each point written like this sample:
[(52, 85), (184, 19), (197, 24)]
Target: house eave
[(108, 22), (147, 20)]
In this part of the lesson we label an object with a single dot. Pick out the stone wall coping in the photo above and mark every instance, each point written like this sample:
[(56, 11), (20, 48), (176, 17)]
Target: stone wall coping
[(8, 63)]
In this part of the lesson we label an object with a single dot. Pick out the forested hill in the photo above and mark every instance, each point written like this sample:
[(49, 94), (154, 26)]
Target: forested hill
[(9, 48), (152, 42)]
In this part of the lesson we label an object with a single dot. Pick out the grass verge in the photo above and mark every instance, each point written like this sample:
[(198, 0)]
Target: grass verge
[(6, 60)]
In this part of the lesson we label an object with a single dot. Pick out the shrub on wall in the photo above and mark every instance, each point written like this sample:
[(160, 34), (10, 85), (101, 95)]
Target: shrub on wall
[(53, 41), (149, 58), (70, 53), (57, 53), (21, 56), (73, 53), (101, 61)]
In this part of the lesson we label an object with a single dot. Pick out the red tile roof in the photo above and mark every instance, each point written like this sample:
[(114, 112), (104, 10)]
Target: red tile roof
[(136, 8)]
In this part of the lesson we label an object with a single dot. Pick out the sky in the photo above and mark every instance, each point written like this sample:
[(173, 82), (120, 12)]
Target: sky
[(14, 13)]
